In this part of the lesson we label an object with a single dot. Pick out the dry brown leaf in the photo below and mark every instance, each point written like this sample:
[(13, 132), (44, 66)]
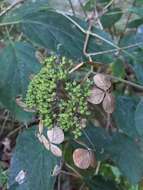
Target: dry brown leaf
[(102, 81), (108, 103), (55, 135), (81, 158), (96, 96), (56, 150)]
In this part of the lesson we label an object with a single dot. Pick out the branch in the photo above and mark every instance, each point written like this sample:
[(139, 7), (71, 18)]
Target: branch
[(114, 50), (82, 7), (96, 35), (108, 5), (123, 80), (76, 67), (70, 2), (11, 7)]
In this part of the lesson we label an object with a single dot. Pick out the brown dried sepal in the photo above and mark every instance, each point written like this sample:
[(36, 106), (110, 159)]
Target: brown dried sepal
[(49, 146), (102, 81), (55, 135), (108, 103), (45, 142), (21, 104), (40, 127), (56, 150), (92, 160), (96, 96), (83, 158)]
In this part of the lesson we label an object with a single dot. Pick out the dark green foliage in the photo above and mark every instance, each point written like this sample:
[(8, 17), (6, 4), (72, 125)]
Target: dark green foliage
[(123, 150), (18, 64), (35, 26), (124, 115), (111, 17), (38, 163)]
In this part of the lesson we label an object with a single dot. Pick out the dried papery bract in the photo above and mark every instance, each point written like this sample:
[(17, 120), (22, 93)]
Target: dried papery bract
[(56, 170), (21, 104), (39, 137), (40, 127), (81, 158), (92, 159), (96, 96), (56, 150), (45, 142), (20, 178), (83, 123), (102, 81), (55, 135), (109, 103), (49, 146)]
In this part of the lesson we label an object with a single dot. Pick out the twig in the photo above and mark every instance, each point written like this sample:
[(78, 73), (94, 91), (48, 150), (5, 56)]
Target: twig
[(89, 140), (127, 82), (91, 19), (70, 2), (96, 35), (124, 81), (82, 7), (82, 186), (80, 143), (114, 50), (76, 67), (98, 19), (4, 123), (11, 7), (97, 168), (74, 170), (108, 5), (59, 182), (108, 121), (68, 173), (89, 33), (14, 131), (126, 24)]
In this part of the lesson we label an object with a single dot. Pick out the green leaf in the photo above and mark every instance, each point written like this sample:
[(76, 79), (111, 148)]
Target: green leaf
[(136, 10), (42, 27), (90, 5), (17, 64), (125, 152), (118, 68), (139, 117), (132, 39), (99, 183), (138, 69), (135, 23), (135, 60), (38, 163), (124, 115), (111, 17)]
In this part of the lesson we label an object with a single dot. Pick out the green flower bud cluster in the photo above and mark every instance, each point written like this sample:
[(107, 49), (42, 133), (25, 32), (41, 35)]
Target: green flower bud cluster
[(75, 108), (57, 99)]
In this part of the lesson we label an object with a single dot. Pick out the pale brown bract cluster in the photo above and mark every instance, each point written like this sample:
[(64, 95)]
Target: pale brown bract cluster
[(55, 136), (100, 93), (84, 158)]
